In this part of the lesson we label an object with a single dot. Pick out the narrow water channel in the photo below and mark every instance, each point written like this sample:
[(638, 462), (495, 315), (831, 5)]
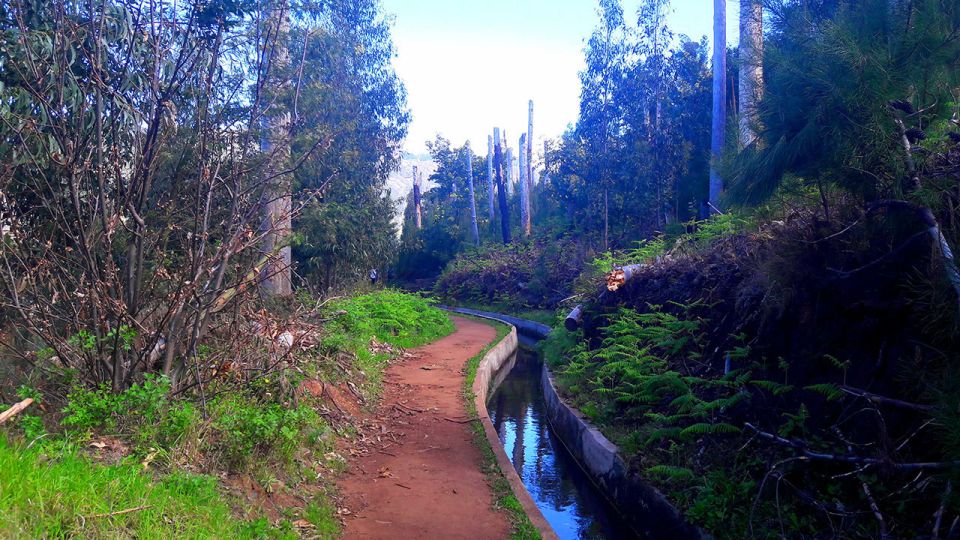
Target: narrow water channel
[(563, 492)]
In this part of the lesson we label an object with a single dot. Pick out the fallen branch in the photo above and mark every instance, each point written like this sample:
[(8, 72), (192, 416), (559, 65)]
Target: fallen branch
[(15, 410), (885, 400), (811, 454), (121, 512), (467, 421)]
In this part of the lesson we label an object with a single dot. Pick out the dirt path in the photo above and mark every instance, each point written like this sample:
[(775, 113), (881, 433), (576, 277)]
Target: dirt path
[(417, 473)]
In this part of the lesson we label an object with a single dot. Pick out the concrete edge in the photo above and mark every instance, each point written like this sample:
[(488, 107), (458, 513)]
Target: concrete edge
[(489, 366), (646, 509), (535, 329)]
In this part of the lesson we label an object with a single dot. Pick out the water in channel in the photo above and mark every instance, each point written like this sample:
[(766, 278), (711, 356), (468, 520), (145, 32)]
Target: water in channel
[(566, 497)]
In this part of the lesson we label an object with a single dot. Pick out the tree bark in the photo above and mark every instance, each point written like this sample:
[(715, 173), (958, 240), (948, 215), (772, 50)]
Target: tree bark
[(277, 222), (473, 201), (501, 188), (490, 188), (751, 68), (417, 208), (524, 188), (530, 148), (719, 99), (15, 410)]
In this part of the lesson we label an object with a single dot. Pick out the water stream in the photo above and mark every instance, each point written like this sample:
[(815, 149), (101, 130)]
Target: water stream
[(565, 495)]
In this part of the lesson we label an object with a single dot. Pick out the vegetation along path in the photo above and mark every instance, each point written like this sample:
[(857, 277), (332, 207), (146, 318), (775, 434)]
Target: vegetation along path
[(417, 472)]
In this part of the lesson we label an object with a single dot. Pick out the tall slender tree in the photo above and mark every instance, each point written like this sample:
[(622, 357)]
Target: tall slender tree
[(719, 100), (524, 186), (501, 187), (275, 144), (529, 148), (751, 68), (473, 201), (417, 198), (490, 186)]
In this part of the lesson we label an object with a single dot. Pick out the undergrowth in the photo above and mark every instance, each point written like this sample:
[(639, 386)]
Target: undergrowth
[(69, 465)]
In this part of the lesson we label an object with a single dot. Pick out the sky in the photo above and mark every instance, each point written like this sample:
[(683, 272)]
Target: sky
[(472, 65)]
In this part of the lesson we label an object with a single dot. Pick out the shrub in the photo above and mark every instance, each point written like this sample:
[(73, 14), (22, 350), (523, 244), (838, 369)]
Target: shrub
[(248, 428), (143, 412)]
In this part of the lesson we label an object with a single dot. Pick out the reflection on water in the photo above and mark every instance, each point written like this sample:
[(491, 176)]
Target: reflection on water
[(562, 491)]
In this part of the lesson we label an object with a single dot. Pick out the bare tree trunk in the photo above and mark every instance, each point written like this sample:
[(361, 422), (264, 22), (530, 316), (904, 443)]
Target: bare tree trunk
[(530, 148), (751, 68), (524, 188), (606, 217), (490, 188), (508, 167), (501, 188), (417, 208), (277, 224), (473, 201), (719, 99)]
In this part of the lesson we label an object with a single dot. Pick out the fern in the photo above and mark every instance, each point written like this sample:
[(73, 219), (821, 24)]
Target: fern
[(829, 390), (669, 472), (660, 434), (773, 387), (704, 428)]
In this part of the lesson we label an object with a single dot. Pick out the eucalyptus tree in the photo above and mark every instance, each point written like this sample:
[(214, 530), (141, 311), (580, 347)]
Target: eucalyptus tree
[(348, 97), (474, 229), (275, 144), (719, 116), (751, 68), (598, 122)]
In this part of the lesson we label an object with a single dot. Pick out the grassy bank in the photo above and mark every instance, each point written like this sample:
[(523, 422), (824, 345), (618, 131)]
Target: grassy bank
[(251, 454)]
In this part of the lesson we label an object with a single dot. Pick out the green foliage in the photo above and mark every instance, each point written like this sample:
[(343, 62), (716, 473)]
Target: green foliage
[(694, 236), (145, 412), (535, 273), (394, 317), (65, 496), (829, 76), (249, 429)]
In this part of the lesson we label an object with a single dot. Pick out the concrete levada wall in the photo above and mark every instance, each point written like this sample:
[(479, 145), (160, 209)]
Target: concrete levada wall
[(644, 508), (494, 365)]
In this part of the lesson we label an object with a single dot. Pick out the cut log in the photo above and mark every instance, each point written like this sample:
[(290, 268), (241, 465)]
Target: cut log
[(621, 276), (574, 318), (15, 410)]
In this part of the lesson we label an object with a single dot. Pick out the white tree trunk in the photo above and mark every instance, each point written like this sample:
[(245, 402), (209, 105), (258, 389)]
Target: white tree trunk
[(490, 194), (719, 99), (509, 166), (473, 201), (529, 148), (275, 144), (501, 186), (524, 188), (751, 68), (417, 195)]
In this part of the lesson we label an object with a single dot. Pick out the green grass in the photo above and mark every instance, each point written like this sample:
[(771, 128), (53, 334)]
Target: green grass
[(389, 316), (504, 499), (64, 495)]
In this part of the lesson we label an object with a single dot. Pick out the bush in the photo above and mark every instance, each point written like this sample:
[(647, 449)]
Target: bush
[(144, 412), (248, 428)]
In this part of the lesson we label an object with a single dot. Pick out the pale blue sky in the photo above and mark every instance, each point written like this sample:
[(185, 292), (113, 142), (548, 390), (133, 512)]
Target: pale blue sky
[(471, 65)]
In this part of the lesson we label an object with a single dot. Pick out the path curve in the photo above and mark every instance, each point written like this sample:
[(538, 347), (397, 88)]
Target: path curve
[(419, 473)]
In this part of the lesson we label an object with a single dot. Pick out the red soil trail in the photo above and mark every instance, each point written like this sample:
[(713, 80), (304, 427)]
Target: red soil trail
[(416, 472)]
